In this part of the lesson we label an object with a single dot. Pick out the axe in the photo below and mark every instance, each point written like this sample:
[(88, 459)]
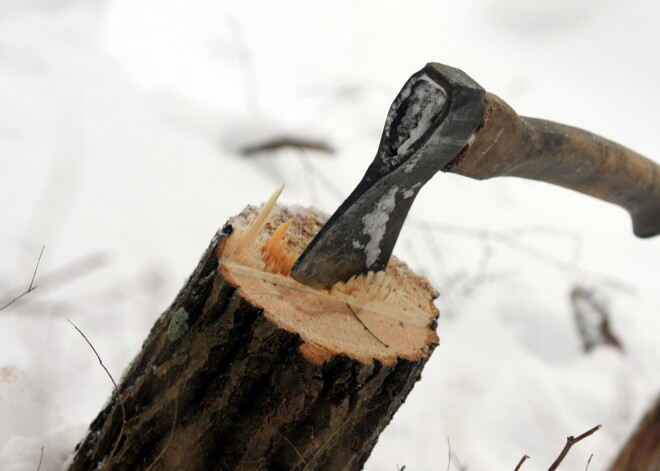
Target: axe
[(442, 120)]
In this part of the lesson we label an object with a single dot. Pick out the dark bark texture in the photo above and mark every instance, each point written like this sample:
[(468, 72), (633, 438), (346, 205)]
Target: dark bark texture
[(642, 451), (217, 386)]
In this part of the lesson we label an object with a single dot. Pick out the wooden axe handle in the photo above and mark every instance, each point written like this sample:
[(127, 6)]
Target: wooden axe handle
[(506, 144)]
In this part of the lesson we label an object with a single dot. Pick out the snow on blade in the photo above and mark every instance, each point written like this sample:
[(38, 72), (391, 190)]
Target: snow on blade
[(374, 225), (423, 101)]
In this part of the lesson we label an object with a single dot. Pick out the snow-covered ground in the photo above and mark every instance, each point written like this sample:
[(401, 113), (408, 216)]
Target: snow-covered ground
[(120, 122)]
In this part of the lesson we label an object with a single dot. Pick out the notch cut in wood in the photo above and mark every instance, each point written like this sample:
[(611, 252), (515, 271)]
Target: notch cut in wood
[(396, 306)]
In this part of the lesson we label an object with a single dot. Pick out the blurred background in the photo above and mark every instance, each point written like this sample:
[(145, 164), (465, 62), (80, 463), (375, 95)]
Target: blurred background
[(131, 130)]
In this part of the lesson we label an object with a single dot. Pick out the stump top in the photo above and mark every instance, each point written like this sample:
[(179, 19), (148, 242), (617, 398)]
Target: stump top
[(381, 316)]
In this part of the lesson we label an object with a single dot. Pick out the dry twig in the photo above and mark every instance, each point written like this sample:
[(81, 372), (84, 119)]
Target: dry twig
[(570, 441), (520, 463), (121, 402), (32, 286), (287, 142), (169, 439)]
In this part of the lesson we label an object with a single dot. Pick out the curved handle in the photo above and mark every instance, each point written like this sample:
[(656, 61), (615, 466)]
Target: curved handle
[(510, 145)]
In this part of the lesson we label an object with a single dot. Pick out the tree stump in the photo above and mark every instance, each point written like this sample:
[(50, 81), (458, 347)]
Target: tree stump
[(250, 370)]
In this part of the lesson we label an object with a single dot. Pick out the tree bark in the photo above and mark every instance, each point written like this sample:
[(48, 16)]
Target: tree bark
[(248, 370), (642, 451)]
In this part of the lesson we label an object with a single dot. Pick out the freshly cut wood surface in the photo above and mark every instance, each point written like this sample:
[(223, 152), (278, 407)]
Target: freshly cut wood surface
[(396, 306)]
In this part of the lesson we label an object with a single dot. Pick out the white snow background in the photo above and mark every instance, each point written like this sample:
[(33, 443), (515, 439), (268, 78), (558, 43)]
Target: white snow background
[(120, 122)]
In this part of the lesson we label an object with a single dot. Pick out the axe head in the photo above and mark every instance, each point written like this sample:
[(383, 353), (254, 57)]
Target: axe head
[(430, 121)]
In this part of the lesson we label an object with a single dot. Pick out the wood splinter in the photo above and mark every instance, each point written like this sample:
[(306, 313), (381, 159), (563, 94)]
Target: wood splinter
[(266, 373)]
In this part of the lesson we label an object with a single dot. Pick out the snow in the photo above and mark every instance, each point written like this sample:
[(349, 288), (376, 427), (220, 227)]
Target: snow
[(375, 223), (426, 103), (119, 128), (409, 193)]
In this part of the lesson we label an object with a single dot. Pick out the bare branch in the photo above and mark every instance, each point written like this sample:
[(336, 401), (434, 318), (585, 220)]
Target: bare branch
[(521, 247), (570, 441), (31, 288), (95, 353), (520, 463), (121, 401)]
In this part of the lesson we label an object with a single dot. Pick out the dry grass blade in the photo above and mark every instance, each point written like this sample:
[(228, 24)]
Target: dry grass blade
[(570, 441), (332, 436), (324, 445), (586, 468), (448, 453), (294, 449), (31, 288), (121, 402), (169, 439), (504, 239), (41, 458)]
